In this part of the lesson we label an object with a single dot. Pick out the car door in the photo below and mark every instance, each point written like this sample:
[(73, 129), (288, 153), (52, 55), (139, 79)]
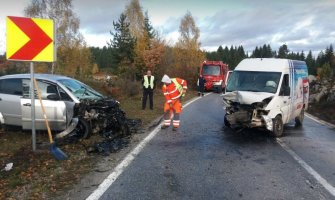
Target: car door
[(55, 108), (10, 96)]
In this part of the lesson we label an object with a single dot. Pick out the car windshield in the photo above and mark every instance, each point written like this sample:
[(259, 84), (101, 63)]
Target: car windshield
[(212, 70), (80, 90), (254, 81)]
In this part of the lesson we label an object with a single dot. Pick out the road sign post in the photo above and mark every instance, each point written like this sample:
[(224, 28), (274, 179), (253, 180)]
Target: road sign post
[(30, 39), (32, 91)]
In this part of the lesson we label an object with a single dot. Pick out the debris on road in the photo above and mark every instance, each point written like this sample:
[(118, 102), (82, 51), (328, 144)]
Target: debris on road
[(8, 167), (134, 125), (108, 146)]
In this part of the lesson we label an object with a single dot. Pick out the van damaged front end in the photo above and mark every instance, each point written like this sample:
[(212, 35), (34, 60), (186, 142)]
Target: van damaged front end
[(247, 110)]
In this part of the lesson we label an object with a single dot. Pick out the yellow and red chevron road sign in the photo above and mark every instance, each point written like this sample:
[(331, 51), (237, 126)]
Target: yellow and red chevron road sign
[(30, 39)]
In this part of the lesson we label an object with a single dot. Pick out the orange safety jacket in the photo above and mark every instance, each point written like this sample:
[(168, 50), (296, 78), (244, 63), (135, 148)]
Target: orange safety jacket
[(174, 90)]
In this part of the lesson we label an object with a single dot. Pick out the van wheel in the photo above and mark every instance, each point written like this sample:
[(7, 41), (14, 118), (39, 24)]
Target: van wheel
[(278, 126), (226, 123), (300, 118)]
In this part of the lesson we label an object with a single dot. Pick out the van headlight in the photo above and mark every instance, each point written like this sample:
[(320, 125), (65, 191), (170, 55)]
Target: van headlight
[(268, 122)]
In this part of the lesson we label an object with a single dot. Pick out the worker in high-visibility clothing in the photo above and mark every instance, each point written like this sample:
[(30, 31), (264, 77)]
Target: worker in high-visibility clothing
[(173, 89), (149, 84)]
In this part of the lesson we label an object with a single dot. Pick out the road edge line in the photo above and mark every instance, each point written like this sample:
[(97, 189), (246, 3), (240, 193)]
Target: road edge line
[(312, 117), (308, 168), (119, 169)]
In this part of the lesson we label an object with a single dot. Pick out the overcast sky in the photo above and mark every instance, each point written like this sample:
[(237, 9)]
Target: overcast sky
[(301, 24)]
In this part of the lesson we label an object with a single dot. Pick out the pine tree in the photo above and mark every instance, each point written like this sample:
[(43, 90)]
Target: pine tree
[(310, 62), (329, 53), (302, 55), (269, 51), (220, 53), (225, 58), (256, 53), (283, 51), (321, 59), (148, 27), (123, 42)]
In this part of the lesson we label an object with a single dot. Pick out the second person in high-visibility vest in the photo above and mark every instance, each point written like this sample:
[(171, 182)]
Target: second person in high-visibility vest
[(173, 89), (149, 85)]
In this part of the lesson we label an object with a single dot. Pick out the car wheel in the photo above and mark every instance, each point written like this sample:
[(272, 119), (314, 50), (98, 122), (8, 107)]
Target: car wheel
[(300, 118), (278, 126), (83, 129)]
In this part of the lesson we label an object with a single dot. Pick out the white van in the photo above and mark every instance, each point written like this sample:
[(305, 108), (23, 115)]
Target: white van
[(266, 92)]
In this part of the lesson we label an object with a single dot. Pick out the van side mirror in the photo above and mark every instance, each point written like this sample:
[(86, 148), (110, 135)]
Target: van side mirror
[(53, 97), (285, 91)]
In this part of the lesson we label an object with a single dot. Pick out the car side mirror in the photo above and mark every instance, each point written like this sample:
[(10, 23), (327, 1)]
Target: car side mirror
[(53, 97)]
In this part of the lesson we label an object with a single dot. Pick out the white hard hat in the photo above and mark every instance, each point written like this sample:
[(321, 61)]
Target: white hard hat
[(166, 79)]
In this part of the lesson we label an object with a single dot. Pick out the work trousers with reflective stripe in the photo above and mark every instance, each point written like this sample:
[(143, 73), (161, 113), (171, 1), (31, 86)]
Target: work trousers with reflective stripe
[(174, 111)]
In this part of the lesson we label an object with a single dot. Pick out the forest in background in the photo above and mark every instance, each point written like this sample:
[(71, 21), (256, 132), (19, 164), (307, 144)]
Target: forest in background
[(135, 46)]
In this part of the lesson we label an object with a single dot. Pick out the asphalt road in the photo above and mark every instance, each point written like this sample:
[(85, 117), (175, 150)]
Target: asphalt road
[(205, 160)]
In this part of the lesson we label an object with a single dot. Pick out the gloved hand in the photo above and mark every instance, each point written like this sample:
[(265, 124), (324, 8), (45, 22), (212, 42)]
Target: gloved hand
[(184, 92), (170, 104)]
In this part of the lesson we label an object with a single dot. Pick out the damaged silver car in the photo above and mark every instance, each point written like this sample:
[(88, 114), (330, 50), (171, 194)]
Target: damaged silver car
[(72, 107)]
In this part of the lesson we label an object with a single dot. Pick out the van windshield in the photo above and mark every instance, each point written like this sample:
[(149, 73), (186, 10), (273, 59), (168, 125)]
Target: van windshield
[(212, 70), (80, 90), (253, 81)]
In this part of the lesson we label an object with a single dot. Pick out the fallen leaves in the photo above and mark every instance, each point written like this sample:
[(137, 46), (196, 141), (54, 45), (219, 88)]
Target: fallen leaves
[(41, 172)]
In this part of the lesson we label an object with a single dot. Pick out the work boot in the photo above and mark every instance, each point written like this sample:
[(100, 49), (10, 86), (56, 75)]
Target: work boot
[(175, 129), (164, 127)]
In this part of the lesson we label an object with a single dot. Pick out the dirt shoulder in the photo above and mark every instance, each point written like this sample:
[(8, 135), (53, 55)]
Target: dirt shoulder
[(324, 111)]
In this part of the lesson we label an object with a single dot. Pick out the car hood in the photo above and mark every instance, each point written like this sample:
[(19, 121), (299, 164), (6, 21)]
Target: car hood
[(245, 97)]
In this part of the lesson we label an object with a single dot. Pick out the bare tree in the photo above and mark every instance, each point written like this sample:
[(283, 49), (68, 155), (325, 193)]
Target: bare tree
[(71, 46)]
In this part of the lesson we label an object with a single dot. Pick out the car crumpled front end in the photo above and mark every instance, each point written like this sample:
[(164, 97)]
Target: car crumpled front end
[(247, 110), (102, 116)]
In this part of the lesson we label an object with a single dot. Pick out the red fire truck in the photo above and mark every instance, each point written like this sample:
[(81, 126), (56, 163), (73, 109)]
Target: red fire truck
[(215, 73)]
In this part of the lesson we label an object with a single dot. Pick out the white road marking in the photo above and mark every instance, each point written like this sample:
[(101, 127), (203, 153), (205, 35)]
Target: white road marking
[(308, 168), (319, 120), (119, 169)]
